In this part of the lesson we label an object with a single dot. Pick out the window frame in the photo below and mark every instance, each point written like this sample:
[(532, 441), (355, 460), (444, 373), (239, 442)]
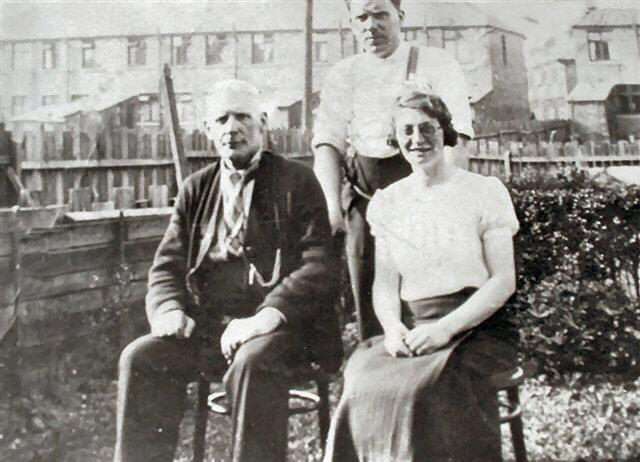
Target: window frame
[(268, 38), (24, 105), (597, 47), (222, 41), (503, 48), (451, 37), (186, 44), (85, 46), (136, 47), (51, 49), (48, 100), (320, 48), (26, 46)]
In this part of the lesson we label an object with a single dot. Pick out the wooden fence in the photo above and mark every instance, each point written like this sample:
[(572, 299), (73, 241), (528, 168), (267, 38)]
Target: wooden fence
[(68, 285), (51, 164), (505, 158)]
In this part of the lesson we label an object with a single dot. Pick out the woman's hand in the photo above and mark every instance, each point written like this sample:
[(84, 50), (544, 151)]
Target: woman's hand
[(426, 339), (394, 341)]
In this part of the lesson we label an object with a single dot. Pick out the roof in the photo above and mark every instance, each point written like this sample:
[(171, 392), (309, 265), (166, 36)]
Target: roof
[(449, 14), (38, 20), (52, 113), (598, 91), (116, 93), (557, 48), (609, 17), (49, 20)]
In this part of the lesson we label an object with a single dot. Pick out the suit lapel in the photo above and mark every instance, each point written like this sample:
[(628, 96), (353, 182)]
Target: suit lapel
[(261, 220), (210, 210)]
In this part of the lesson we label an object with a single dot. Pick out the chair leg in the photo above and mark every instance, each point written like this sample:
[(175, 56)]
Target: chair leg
[(200, 431), (517, 434), (323, 411)]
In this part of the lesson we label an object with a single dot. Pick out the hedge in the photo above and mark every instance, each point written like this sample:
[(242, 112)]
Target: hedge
[(578, 257)]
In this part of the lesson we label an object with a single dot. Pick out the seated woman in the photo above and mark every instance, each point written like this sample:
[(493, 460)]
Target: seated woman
[(444, 266)]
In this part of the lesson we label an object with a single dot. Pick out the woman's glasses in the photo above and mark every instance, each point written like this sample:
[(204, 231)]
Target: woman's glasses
[(426, 129)]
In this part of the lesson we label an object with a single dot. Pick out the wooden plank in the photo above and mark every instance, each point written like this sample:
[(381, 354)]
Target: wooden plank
[(47, 308), (93, 163), (59, 188), (6, 243), (68, 261), (7, 292), (57, 328), (177, 148), (149, 228), (68, 236), (35, 288)]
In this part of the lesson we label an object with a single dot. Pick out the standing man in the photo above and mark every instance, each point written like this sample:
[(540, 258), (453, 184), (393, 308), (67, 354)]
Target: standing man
[(353, 129), (242, 281)]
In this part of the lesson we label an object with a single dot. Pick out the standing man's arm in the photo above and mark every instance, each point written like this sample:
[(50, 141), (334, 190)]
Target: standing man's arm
[(330, 138), (327, 167)]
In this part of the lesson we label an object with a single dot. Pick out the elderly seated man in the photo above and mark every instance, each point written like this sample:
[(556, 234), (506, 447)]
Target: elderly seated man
[(243, 281)]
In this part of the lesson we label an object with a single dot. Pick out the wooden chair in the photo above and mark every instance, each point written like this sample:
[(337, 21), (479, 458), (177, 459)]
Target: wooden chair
[(509, 381), (318, 402)]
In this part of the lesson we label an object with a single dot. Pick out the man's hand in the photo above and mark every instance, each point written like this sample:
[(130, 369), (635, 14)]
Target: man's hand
[(426, 339), (394, 342), (174, 323), (242, 330), (336, 219)]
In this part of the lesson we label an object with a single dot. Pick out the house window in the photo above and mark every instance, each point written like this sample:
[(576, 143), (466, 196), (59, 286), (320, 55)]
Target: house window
[(49, 99), (410, 35), (503, 43), (49, 55), (262, 48), (21, 56), (18, 104), (450, 41), (78, 96), (629, 99), (180, 50), (184, 105), (88, 53), (217, 49), (148, 110), (598, 48), (320, 49), (136, 52)]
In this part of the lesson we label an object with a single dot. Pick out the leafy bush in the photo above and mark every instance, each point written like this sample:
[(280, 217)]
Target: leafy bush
[(578, 278)]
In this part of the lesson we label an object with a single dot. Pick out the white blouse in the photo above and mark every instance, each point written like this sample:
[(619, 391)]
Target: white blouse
[(359, 96), (434, 235)]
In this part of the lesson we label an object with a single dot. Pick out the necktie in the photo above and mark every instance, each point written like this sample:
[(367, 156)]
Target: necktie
[(234, 218)]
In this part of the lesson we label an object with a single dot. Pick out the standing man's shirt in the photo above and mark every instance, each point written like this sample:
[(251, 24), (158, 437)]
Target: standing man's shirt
[(359, 96)]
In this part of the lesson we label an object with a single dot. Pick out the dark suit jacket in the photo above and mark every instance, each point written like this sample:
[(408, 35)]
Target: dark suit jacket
[(288, 211)]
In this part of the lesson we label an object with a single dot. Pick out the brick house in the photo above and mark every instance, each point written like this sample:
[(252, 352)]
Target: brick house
[(591, 74), (48, 60)]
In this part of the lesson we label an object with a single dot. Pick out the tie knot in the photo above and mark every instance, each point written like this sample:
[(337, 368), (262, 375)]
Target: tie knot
[(235, 177)]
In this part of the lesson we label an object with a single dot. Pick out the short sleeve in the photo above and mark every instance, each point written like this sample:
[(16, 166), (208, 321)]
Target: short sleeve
[(332, 117), (499, 216)]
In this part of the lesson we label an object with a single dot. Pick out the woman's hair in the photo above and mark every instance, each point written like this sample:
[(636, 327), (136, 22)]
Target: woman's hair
[(433, 106)]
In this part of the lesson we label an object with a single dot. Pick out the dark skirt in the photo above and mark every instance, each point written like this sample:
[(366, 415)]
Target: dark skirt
[(434, 407)]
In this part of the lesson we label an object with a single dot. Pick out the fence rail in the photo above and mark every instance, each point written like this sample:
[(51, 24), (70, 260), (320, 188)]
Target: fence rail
[(52, 165)]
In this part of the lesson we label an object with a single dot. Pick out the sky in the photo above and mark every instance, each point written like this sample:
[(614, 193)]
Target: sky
[(537, 19)]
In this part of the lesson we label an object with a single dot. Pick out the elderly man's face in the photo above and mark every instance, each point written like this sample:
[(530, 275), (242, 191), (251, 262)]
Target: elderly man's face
[(237, 133), (377, 24)]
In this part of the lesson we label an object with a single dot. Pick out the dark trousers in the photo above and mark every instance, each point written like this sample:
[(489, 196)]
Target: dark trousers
[(152, 383), (368, 174)]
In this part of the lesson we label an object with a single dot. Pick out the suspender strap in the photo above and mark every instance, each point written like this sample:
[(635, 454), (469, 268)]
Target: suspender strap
[(412, 63)]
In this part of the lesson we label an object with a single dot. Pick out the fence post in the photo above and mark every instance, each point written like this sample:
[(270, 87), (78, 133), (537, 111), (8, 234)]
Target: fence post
[(506, 157)]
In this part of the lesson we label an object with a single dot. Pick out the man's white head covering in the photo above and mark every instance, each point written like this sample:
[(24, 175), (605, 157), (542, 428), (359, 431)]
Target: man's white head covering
[(234, 96)]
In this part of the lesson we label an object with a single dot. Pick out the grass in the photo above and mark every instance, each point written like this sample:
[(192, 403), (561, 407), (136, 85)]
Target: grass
[(76, 423)]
